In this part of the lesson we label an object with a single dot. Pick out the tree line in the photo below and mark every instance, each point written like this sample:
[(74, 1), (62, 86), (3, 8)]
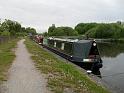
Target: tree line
[(92, 30), (14, 28), (101, 30), (61, 31)]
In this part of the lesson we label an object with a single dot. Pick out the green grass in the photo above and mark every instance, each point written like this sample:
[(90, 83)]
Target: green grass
[(6, 57), (62, 75)]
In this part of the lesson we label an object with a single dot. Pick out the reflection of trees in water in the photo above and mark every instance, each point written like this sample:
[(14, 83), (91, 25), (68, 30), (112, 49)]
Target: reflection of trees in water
[(110, 49)]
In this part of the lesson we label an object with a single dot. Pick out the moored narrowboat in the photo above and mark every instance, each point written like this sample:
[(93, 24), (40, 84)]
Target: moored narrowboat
[(78, 51)]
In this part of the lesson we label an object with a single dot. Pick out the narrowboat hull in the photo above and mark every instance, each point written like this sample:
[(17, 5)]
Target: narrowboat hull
[(86, 65)]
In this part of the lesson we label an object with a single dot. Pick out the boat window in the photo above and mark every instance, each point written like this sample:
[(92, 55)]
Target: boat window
[(51, 43), (58, 45), (68, 48)]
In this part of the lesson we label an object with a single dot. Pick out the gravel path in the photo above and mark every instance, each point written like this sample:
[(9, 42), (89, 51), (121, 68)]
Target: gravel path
[(23, 76)]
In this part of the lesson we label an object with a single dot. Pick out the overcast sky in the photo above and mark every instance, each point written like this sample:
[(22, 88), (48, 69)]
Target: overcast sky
[(40, 14)]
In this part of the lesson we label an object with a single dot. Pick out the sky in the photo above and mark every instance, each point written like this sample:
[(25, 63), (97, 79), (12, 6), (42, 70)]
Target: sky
[(41, 14)]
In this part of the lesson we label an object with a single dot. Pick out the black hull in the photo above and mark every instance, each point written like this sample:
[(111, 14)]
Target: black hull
[(87, 66), (68, 57)]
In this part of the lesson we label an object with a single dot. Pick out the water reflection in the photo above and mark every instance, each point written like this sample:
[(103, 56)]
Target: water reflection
[(112, 54), (97, 73), (110, 49)]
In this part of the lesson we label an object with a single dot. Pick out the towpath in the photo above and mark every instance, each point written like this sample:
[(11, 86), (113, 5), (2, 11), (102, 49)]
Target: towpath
[(23, 76)]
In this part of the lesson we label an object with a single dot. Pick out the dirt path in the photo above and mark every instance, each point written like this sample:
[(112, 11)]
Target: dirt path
[(23, 77)]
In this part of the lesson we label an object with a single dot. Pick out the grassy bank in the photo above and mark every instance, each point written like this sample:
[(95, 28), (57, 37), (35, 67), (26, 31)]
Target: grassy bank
[(6, 57), (63, 77)]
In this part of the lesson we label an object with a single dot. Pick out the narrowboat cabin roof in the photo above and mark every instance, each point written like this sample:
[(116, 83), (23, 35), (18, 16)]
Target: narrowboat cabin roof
[(65, 40), (84, 41), (70, 40)]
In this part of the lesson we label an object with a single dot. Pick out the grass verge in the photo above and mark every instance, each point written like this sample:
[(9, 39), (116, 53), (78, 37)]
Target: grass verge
[(62, 77), (6, 57)]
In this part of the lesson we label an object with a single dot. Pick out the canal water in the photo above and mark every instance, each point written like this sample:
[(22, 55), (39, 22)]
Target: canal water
[(112, 72)]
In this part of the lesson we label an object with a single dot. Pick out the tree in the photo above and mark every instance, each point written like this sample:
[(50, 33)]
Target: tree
[(10, 26), (82, 28), (45, 34), (51, 30), (5, 33), (31, 30), (62, 31), (13, 28), (106, 31)]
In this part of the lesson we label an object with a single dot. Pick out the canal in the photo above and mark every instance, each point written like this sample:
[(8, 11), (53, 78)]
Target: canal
[(112, 72)]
